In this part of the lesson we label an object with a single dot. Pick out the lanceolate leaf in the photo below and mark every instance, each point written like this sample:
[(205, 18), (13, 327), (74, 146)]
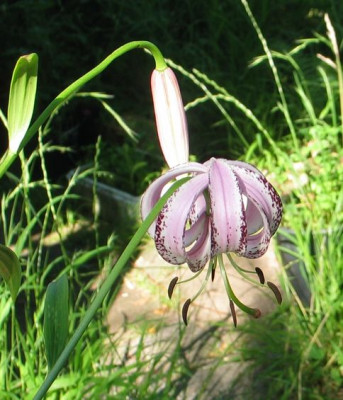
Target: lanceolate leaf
[(10, 270), (21, 99), (56, 319)]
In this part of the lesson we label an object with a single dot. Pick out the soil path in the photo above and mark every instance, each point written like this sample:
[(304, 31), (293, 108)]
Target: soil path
[(142, 311)]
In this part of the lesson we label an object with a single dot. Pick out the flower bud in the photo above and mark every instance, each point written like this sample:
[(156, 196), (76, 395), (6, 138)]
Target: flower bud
[(170, 117)]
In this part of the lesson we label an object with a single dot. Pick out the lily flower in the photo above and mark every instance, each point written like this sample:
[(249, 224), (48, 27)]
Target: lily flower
[(170, 117), (225, 207)]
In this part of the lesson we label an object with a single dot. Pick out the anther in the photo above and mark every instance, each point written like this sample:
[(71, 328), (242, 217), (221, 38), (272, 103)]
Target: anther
[(185, 310), (276, 291), (172, 286), (213, 273), (260, 275), (233, 313)]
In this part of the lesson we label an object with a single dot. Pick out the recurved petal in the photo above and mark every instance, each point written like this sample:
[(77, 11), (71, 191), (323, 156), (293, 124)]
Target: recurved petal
[(154, 191), (195, 229), (253, 217), (172, 221), (170, 117), (256, 187), (199, 207), (199, 254), (257, 243), (228, 228)]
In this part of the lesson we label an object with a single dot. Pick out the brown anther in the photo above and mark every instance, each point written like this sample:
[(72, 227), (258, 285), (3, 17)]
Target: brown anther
[(257, 313), (185, 311), (213, 273), (233, 313), (276, 291), (172, 286), (260, 275)]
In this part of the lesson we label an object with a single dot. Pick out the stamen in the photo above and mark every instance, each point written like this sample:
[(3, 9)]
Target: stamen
[(276, 291), (238, 267), (233, 313), (255, 312), (192, 277), (213, 273), (203, 285), (185, 311), (213, 265), (171, 286), (260, 275), (243, 272)]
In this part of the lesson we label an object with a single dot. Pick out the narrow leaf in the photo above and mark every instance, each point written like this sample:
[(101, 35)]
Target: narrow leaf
[(10, 270), (21, 99), (56, 319)]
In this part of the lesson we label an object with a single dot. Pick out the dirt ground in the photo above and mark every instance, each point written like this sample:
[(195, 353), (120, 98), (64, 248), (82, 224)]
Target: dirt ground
[(208, 342)]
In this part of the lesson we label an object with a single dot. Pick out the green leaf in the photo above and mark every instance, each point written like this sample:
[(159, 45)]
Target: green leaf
[(56, 319), (10, 270), (21, 99)]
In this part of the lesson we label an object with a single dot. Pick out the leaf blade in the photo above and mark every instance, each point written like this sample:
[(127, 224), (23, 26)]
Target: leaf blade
[(56, 319)]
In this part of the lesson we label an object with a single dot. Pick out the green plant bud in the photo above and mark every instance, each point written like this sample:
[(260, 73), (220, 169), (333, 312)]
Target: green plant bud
[(21, 99)]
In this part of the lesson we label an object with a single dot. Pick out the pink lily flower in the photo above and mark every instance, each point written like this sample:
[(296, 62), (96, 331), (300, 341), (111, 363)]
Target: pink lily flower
[(170, 117), (225, 207)]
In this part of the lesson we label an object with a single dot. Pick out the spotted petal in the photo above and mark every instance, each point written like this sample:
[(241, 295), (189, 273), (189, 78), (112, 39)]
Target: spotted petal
[(257, 187), (172, 220), (229, 229), (257, 243), (199, 254), (154, 191)]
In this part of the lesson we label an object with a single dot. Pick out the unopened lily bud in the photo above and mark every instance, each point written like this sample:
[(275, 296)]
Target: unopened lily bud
[(170, 117), (21, 100)]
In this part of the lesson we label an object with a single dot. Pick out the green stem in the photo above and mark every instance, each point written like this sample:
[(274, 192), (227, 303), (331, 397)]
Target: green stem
[(6, 161), (105, 288), (340, 88), (160, 65)]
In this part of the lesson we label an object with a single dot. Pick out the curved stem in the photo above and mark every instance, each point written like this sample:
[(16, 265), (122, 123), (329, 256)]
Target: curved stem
[(160, 64), (105, 288)]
